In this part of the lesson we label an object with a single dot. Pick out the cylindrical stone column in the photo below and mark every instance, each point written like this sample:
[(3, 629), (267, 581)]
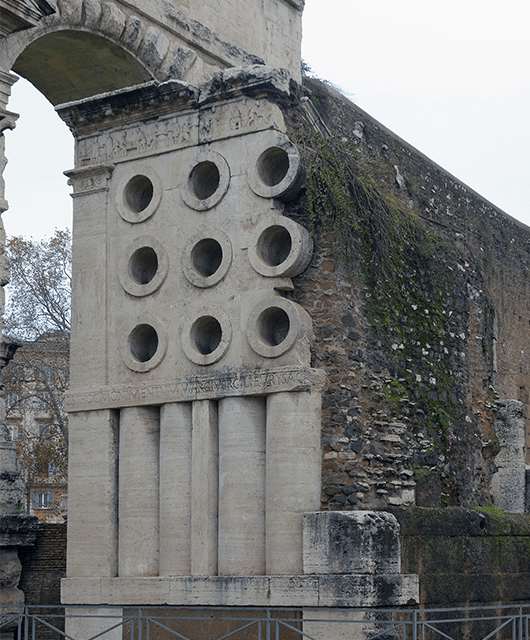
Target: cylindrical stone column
[(93, 494), (242, 486), (175, 489), (204, 488), (292, 475), (139, 495)]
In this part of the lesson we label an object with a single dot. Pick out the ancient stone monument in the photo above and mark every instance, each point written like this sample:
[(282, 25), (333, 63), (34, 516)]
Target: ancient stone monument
[(236, 425), (195, 413)]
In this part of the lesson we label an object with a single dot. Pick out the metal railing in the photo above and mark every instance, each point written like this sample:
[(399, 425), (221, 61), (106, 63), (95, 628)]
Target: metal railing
[(508, 622)]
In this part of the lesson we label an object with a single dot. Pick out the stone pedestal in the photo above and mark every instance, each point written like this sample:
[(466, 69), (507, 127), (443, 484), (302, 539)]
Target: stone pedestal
[(358, 548)]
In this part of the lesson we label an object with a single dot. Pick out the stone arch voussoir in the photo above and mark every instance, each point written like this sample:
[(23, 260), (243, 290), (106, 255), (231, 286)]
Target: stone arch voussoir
[(159, 51)]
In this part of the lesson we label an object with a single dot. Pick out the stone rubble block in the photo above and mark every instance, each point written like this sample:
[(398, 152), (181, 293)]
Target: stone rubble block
[(351, 542), (239, 80), (508, 485), (17, 530)]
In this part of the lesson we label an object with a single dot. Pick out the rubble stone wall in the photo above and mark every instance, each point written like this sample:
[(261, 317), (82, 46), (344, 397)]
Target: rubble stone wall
[(381, 444)]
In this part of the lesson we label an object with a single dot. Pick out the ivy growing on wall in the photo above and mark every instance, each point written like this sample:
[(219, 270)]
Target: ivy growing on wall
[(404, 264)]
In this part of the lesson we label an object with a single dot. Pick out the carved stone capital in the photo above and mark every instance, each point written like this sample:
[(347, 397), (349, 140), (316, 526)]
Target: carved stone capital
[(89, 180)]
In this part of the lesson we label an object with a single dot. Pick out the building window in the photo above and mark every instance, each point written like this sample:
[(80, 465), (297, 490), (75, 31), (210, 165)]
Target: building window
[(43, 400), (13, 430), (42, 500), (43, 429)]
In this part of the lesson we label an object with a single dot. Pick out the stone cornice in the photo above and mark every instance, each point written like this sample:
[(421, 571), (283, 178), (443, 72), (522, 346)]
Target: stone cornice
[(127, 105), (153, 99)]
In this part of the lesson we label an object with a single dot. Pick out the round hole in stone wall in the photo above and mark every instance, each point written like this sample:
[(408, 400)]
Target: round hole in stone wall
[(273, 165), (138, 193), (204, 180), (143, 265), (274, 245), (273, 326), (206, 257), (143, 342), (206, 334)]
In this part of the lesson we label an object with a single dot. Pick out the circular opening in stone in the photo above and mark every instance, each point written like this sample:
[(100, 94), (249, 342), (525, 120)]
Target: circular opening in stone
[(274, 245), (206, 334), (206, 257), (143, 342), (138, 193), (273, 166), (273, 326), (204, 180), (143, 265)]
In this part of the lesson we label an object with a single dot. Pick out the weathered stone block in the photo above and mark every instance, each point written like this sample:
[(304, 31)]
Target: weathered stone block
[(94, 622), (10, 568), (11, 492), (358, 542), (112, 20), (155, 47), (509, 483), (17, 530)]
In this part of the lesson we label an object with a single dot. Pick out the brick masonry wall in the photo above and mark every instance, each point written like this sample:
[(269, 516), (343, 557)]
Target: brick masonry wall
[(379, 449), (43, 566)]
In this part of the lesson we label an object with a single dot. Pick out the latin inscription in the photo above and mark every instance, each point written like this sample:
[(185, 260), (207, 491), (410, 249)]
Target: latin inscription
[(261, 382)]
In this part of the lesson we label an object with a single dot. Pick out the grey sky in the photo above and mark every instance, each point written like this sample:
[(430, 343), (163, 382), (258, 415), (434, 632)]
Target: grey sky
[(451, 78)]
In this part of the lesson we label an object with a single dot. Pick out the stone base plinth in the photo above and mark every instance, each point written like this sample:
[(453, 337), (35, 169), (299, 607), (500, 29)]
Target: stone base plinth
[(248, 591)]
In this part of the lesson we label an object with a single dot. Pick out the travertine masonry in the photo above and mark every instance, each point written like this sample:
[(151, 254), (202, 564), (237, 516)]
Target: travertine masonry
[(204, 404)]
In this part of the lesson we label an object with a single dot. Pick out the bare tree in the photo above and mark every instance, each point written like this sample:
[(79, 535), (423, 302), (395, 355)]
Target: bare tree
[(35, 381), (39, 290)]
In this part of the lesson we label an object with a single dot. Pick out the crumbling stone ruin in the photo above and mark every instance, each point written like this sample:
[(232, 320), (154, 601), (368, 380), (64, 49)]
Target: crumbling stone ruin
[(16, 531), (288, 325)]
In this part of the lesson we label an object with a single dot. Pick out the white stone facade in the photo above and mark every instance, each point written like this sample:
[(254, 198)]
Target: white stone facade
[(183, 346)]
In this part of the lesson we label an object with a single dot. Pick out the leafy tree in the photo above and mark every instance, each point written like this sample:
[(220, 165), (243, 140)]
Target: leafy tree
[(35, 381)]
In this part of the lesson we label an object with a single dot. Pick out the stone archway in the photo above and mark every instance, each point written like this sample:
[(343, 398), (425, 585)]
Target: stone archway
[(70, 65), (86, 47)]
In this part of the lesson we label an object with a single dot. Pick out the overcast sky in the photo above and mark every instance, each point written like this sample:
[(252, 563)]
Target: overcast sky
[(451, 78)]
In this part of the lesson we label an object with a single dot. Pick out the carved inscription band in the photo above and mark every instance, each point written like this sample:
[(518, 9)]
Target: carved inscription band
[(210, 387)]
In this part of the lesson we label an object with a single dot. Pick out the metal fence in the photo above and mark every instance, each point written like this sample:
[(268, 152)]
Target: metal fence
[(508, 622)]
